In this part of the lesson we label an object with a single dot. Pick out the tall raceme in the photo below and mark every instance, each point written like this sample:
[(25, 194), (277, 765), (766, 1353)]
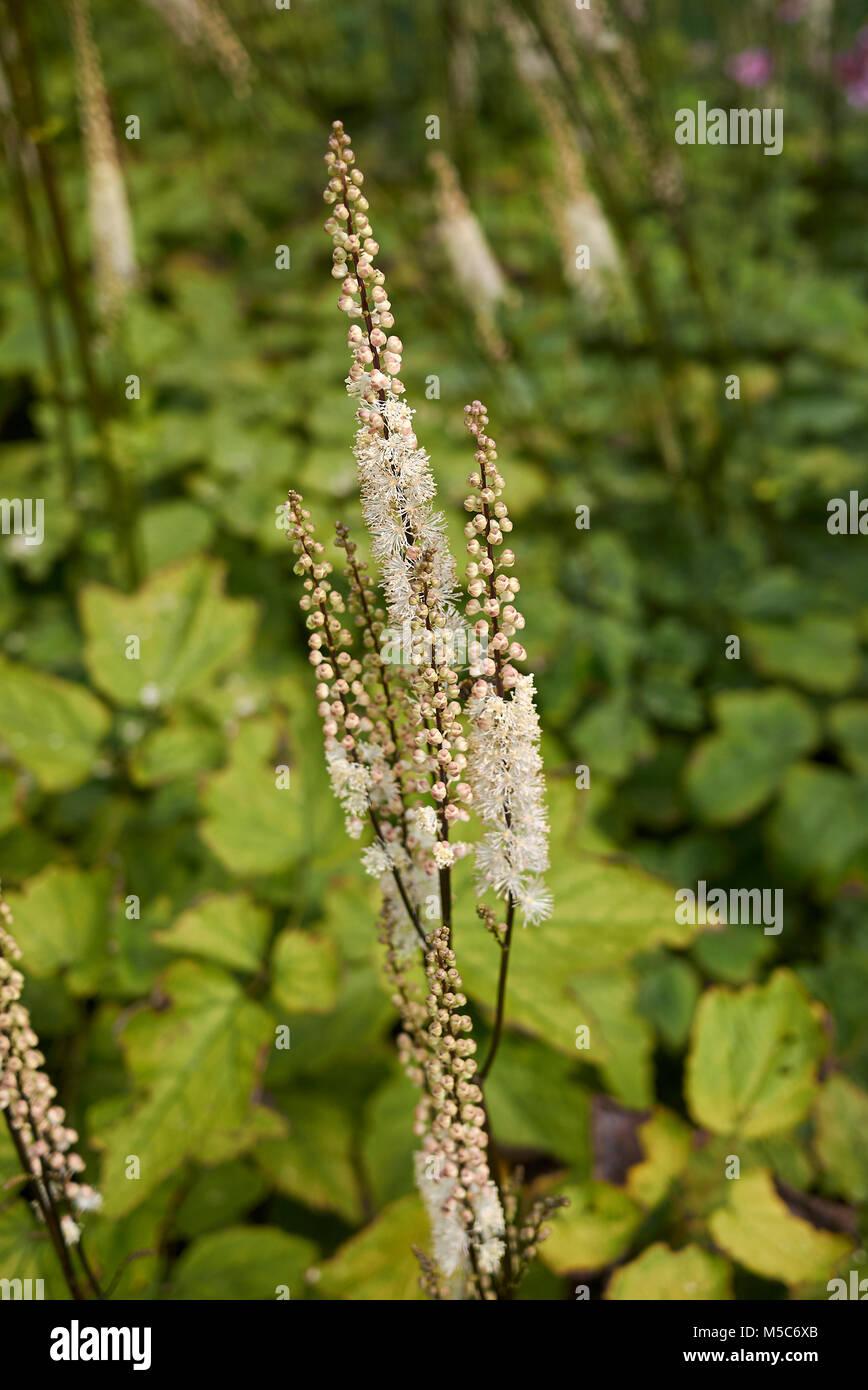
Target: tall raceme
[(111, 225), (505, 767), (43, 1141), (395, 479), (415, 742), (202, 27)]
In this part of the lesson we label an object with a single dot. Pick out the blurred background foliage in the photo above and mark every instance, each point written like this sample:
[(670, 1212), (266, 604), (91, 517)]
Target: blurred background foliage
[(155, 778)]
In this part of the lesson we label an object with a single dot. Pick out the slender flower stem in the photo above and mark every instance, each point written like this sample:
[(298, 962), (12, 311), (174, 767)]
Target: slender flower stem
[(501, 992), (96, 1289), (34, 253), (42, 1197)]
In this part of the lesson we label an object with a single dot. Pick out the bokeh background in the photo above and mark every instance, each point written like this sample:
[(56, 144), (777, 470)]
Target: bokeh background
[(173, 905)]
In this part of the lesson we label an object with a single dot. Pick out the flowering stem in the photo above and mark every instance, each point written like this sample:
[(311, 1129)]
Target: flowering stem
[(332, 656), (372, 628), (369, 326), (44, 1201), (88, 1270), (399, 883)]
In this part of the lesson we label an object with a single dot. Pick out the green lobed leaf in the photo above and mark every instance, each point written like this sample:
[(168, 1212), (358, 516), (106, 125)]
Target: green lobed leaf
[(50, 726), (819, 653), (379, 1263), (61, 924), (732, 773), (196, 1064), (176, 750), (594, 1231), (247, 1262), (304, 970), (187, 629), (842, 1137), (752, 1066), (660, 1275), (757, 1228), (316, 1163), (227, 928), (268, 837), (666, 1144)]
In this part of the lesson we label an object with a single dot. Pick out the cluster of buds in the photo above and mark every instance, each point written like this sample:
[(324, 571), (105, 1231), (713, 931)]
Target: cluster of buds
[(43, 1138), (491, 605), (342, 699), (359, 743), (384, 701), (395, 479), (525, 1229), (376, 352), (452, 1169)]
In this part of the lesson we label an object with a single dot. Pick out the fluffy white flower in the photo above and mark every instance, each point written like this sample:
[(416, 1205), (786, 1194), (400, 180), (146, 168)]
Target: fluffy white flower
[(449, 1236), (490, 1220), (505, 771), (375, 861), (489, 1255), (535, 902), (444, 854), (351, 784), (424, 820), (397, 489), (71, 1230), (488, 1229), (87, 1199)]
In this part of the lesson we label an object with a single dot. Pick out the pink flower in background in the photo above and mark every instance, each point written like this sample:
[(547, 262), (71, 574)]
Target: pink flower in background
[(751, 68), (853, 71)]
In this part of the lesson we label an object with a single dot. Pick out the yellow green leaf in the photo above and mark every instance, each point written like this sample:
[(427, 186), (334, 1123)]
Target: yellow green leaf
[(196, 1064), (757, 1228), (167, 640), (379, 1263), (304, 973), (227, 928), (593, 1231), (661, 1275), (50, 726), (752, 1066)]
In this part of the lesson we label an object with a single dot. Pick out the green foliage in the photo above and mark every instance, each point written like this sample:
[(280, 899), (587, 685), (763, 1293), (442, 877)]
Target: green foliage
[(661, 1273), (758, 1230), (195, 1063), (50, 726), (243, 1262), (594, 1231), (753, 1059)]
